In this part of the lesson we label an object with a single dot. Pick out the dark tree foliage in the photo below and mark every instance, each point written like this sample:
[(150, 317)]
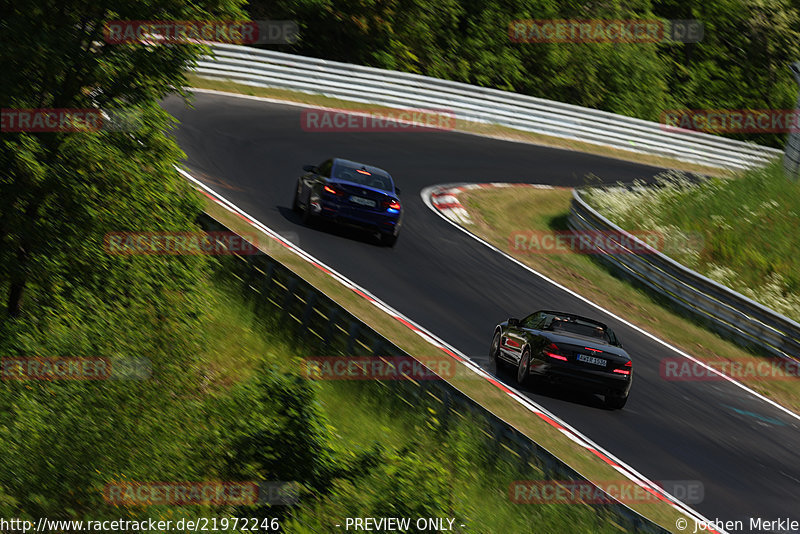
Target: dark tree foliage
[(63, 294), (60, 193), (740, 64)]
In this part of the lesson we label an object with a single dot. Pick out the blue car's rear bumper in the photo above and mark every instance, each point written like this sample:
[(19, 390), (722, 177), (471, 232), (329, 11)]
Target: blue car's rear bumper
[(384, 222)]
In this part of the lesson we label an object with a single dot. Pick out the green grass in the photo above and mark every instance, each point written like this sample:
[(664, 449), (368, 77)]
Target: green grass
[(748, 227), (362, 415), (547, 210), (430, 463), (478, 389)]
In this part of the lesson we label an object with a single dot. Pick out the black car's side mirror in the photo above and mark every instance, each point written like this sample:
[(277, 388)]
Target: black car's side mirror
[(397, 190), (513, 322), (310, 168)]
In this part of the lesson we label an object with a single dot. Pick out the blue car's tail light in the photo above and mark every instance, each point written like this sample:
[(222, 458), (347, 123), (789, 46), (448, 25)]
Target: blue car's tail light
[(392, 206), (333, 190)]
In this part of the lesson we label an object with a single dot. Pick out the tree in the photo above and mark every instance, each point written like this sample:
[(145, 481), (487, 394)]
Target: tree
[(61, 192), (742, 61)]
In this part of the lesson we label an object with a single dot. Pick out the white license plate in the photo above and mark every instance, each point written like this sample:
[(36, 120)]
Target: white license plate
[(363, 201), (591, 359)]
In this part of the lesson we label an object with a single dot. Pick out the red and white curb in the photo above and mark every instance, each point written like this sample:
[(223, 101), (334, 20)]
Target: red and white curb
[(446, 201), (451, 193), (429, 193), (572, 433), (445, 198)]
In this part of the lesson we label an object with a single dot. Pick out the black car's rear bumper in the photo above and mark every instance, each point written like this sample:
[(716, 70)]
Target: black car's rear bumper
[(602, 382)]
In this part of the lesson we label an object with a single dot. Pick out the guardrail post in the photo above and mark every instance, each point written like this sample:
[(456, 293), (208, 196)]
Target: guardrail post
[(330, 329), (352, 334), (289, 295), (266, 278), (311, 300)]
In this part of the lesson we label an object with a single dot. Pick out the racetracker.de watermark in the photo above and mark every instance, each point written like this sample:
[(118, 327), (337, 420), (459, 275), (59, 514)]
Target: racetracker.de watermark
[(604, 31), (69, 120), (377, 368), (180, 243), (603, 492), (355, 120), (200, 31), (601, 242), (683, 370), (74, 368), (209, 493), (731, 120)]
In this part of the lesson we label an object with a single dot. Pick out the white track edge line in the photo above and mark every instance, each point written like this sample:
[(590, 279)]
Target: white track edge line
[(576, 436), (425, 194)]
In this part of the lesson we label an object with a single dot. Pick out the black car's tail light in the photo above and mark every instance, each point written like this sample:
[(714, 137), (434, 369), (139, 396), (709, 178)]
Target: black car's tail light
[(625, 369), (391, 204), (552, 351)]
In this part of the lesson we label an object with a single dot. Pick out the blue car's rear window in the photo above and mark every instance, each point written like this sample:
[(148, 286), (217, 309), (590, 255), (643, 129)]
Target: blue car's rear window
[(362, 176)]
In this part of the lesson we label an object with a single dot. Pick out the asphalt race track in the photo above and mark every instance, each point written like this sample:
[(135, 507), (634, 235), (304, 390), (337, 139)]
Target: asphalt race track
[(744, 451)]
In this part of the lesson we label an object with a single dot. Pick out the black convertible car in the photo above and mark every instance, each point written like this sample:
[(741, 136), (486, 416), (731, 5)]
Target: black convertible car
[(567, 349)]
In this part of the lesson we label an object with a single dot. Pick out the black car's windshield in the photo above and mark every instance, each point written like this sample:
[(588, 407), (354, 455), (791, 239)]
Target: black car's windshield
[(361, 176), (572, 325)]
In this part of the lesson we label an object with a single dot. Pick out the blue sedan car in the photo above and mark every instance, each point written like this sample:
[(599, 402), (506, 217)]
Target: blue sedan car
[(350, 193)]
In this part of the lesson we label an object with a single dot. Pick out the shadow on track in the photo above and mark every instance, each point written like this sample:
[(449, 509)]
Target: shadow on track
[(537, 386), (338, 230)]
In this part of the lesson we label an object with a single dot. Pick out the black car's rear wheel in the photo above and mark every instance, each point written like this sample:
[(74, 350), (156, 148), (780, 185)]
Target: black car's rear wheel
[(524, 365), (296, 202), (494, 351), (308, 217), (616, 402)]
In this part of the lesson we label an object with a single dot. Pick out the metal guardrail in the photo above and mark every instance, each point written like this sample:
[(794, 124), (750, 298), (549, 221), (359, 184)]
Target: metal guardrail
[(479, 104), (724, 310), (312, 313)]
